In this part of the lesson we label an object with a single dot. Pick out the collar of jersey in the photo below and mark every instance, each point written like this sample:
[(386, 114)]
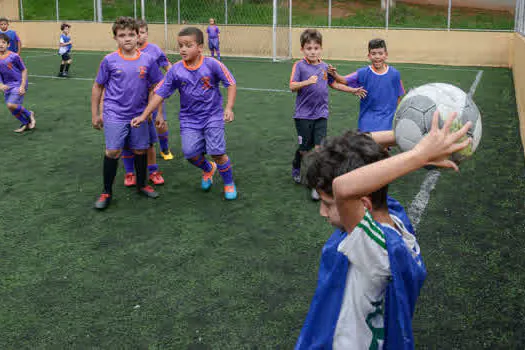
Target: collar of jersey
[(196, 67), (136, 57), (143, 46), (308, 62), (7, 54), (376, 73)]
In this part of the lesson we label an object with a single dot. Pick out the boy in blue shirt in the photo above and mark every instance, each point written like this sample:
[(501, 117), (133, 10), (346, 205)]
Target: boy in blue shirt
[(371, 269), (64, 49), (384, 86), (14, 41)]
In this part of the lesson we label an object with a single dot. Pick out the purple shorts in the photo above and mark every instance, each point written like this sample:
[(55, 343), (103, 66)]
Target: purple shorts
[(206, 140), (213, 44), (12, 96), (121, 135)]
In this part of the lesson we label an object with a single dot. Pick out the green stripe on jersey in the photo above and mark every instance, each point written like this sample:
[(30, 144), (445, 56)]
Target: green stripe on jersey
[(371, 234), (373, 225)]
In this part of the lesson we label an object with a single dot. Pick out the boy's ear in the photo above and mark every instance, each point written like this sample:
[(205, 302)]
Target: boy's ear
[(367, 202)]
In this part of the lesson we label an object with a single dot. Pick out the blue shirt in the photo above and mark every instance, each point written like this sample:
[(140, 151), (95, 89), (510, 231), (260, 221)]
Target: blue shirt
[(65, 39), (377, 109), (14, 40)]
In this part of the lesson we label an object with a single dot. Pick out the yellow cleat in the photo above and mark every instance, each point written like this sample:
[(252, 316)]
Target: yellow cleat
[(166, 156)]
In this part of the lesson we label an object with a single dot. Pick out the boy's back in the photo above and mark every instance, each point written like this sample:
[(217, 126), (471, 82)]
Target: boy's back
[(379, 106), (312, 100)]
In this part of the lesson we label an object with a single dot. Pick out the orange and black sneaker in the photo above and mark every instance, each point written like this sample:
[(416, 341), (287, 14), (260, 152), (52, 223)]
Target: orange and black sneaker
[(148, 191), (103, 201), (156, 178), (130, 180), (207, 177)]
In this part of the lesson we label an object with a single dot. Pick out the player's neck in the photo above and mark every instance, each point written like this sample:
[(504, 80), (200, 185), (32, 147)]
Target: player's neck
[(3, 54), (382, 216), (316, 61), (128, 53), (381, 69), (194, 62)]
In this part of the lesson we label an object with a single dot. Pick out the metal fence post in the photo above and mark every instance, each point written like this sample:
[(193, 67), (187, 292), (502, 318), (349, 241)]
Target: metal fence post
[(99, 10), (329, 13), (178, 11), (387, 14), (135, 9), (142, 10), (22, 10), (57, 10), (225, 11), (449, 16)]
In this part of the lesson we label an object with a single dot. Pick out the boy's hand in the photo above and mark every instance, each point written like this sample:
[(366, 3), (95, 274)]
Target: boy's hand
[(22, 90), (160, 123), (97, 122), (135, 122), (437, 146), (4, 88), (360, 92), (313, 79), (228, 115), (332, 70)]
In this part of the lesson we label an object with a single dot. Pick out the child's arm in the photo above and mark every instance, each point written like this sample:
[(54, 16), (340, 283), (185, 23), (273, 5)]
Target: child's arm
[(434, 148), (228, 111), (359, 92), (96, 96), (22, 89), (337, 77), (298, 85)]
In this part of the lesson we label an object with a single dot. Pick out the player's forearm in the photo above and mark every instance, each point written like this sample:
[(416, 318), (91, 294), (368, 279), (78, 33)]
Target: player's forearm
[(298, 85), (384, 138), (153, 104), (340, 87), (24, 78), (96, 97), (370, 178), (339, 78), (232, 94)]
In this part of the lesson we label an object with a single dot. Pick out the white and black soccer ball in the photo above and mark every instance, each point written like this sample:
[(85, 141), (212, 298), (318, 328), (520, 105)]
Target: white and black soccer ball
[(413, 118)]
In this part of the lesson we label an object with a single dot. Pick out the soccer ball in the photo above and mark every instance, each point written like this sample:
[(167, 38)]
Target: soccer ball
[(413, 118)]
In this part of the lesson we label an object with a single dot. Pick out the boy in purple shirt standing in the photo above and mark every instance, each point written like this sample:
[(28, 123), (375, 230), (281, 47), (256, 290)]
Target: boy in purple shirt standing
[(311, 78), (13, 76), (201, 114), (126, 78), (156, 133), (213, 38)]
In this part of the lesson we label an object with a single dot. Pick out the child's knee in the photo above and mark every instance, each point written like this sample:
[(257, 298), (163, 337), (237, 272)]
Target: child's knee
[(221, 159), (113, 153), (140, 151), (163, 129), (69, 62), (193, 159), (11, 106)]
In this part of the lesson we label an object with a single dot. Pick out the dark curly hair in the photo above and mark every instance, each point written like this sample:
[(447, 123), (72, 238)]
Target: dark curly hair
[(376, 44), (311, 35), (339, 155), (125, 23), (64, 26)]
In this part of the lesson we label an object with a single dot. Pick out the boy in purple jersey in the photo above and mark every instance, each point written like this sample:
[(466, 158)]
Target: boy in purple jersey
[(126, 77), (311, 78), (201, 114), (384, 86), (213, 38), (13, 76), (15, 44), (156, 133)]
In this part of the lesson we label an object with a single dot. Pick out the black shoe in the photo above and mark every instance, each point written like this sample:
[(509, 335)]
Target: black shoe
[(103, 201), (148, 191), (66, 75), (61, 74)]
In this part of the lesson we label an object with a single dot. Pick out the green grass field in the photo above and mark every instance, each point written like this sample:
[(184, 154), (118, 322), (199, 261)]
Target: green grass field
[(191, 271), (362, 13)]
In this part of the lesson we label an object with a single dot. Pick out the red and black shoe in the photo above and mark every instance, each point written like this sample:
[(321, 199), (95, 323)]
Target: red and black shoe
[(148, 191), (103, 201)]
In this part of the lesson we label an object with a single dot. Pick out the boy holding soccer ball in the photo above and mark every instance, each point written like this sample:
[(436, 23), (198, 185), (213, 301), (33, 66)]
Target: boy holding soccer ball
[(371, 269)]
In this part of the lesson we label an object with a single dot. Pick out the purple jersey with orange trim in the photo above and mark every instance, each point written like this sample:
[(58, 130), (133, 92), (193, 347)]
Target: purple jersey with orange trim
[(11, 68), (377, 109), (312, 101), (126, 82), (213, 32), (156, 52), (200, 96)]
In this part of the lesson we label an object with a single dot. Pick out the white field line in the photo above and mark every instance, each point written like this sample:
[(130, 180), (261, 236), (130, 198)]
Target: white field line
[(420, 202)]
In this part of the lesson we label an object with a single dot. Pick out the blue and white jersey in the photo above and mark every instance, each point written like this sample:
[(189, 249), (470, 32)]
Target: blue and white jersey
[(358, 274), (64, 49), (14, 40), (377, 109)]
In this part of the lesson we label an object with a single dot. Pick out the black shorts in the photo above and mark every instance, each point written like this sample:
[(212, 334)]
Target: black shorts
[(66, 57), (310, 132)]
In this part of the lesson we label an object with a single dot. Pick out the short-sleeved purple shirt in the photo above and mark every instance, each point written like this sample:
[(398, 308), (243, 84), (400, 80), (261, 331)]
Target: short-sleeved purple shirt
[(200, 96), (157, 53), (213, 32), (312, 101), (127, 82), (11, 68)]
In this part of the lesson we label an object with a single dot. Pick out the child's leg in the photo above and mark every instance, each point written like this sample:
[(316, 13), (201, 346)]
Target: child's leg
[(139, 141), (62, 66), (304, 128), (20, 113), (163, 135), (218, 50), (154, 175), (216, 147), (128, 159), (14, 103), (68, 63), (110, 169)]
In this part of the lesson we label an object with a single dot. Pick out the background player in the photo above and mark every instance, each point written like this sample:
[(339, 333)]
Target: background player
[(15, 44), (64, 49), (213, 38)]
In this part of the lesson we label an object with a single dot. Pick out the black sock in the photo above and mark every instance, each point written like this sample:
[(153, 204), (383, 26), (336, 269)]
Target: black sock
[(296, 164), (141, 169), (61, 68), (67, 67), (110, 171)]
